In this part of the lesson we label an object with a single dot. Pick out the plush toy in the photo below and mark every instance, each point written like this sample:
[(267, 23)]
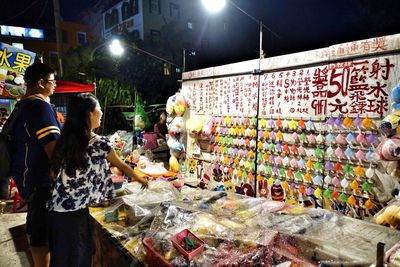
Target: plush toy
[(194, 126), (390, 216)]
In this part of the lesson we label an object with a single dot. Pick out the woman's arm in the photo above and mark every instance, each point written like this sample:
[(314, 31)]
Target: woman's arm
[(113, 158)]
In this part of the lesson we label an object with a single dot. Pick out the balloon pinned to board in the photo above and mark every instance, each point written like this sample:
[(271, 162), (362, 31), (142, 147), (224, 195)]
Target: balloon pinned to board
[(340, 139), (301, 150), (311, 138), (335, 181), (320, 139), (310, 125), (348, 122), (263, 123), (357, 122), (350, 138), (360, 155), (329, 152), (278, 123), (339, 152), (339, 121), (301, 124), (369, 173), (301, 163), (351, 200), (349, 153), (295, 136), (330, 138), (302, 137), (285, 125), (331, 121), (328, 165)]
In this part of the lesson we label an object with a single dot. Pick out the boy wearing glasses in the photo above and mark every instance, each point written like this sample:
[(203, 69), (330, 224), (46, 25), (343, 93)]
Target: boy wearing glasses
[(33, 139)]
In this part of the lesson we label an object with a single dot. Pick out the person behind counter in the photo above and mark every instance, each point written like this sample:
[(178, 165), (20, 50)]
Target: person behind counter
[(160, 128), (82, 178)]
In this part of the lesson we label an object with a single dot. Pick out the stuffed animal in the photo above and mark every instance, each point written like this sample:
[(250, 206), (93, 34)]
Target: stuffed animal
[(389, 148)]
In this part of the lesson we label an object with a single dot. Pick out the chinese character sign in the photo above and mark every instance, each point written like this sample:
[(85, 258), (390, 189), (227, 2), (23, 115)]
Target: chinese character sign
[(361, 86), (290, 93), (13, 63)]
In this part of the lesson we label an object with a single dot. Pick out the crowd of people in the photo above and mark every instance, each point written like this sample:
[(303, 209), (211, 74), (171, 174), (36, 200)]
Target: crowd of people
[(61, 170)]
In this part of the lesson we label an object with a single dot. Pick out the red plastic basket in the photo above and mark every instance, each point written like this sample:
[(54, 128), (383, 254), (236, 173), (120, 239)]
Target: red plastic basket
[(154, 259), (177, 240)]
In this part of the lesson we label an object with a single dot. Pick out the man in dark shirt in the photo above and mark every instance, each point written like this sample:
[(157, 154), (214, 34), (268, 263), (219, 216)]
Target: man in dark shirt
[(33, 139)]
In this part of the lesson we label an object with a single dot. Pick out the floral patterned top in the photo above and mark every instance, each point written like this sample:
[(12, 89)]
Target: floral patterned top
[(86, 186)]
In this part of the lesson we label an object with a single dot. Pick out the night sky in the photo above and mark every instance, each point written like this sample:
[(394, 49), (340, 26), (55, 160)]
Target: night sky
[(300, 25)]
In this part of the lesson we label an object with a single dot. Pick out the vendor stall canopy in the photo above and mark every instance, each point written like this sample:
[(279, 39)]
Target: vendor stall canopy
[(74, 87)]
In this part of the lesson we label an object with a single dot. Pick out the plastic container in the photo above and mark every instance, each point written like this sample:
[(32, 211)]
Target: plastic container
[(178, 242), (154, 259)]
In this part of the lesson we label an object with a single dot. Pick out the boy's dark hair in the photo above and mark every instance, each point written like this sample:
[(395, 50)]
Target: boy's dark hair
[(36, 72)]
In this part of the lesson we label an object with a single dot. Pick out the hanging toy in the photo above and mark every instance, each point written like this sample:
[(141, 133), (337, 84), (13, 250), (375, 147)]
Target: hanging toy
[(337, 167), (292, 125), (318, 167), (366, 187), (278, 123), (350, 138), (359, 171), (329, 152), (348, 122), (335, 181), (369, 204), (320, 139), (369, 173), (295, 137), (348, 153), (301, 124), (253, 121), (351, 200), (360, 155), (339, 152), (343, 198), (285, 161), (263, 123), (330, 138), (318, 193), (309, 164), (271, 159), (327, 180), (311, 139), (286, 149), (301, 163), (372, 139), (302, 138), (361, 139), (266, 134), (310, 125), (354, 185), (369, 156), (301, 150), (368, 124), (348, 169), (302, 189), (285, 125), (357, 122), (294, 150), (318, 180), (307, 177), (293, 163), (272, 135), (271, 123), (339, 121), (328, 165), (319, 153), (278, 160), (331, 121), (298, 175), (340, 139), (344, 183), (279, 136)]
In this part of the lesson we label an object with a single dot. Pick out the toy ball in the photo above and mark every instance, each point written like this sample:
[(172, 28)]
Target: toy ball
[(179, 109), (390, 124), (173, 164), (388, 148), (169, 108)]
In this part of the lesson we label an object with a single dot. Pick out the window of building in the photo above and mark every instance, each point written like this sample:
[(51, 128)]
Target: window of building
[(114, 17), (167, 69), (81, 38), (134, 7), (107, 21), (174, 10), (125, 11), (155, 36), (155, 6), (189, 25)]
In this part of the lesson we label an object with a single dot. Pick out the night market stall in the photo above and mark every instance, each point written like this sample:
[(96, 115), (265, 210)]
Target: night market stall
[(286, 150)]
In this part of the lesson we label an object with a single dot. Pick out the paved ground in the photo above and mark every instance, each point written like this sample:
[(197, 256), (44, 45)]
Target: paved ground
[(14, 250)]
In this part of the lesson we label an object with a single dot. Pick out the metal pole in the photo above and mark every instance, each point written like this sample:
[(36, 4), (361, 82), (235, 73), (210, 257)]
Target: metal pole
[(261, 39), (57, 19)]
